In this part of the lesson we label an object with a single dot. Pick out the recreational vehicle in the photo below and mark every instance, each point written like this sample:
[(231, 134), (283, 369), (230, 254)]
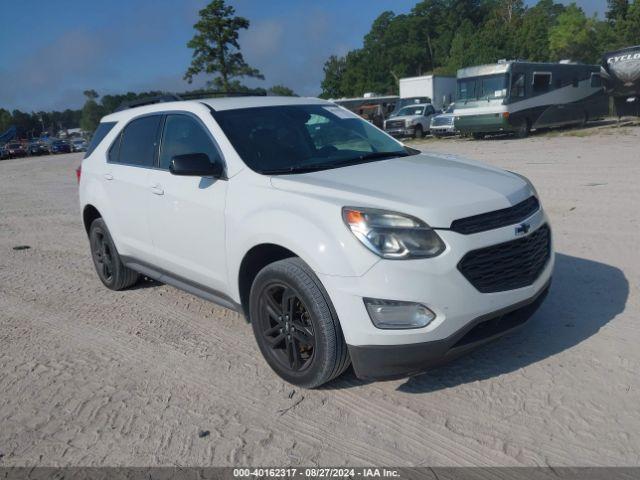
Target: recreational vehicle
[(621, 72), (515, 96)]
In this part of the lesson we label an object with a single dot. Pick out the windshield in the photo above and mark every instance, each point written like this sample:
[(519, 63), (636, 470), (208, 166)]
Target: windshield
[(410, 111), (299, 138), (485, 88)]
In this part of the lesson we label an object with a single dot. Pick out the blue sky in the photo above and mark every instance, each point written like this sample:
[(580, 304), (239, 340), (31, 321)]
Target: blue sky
[(48, 55)]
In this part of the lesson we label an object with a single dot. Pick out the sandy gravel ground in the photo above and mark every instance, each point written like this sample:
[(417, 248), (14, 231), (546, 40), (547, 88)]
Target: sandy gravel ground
[(94, 377)]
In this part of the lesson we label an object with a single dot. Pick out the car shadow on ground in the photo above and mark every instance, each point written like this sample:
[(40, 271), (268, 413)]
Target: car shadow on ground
[(585, 296)]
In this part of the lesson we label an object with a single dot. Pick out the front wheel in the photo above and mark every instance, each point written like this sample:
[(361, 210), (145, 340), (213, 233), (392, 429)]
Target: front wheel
[(419, 132), (295, 324)]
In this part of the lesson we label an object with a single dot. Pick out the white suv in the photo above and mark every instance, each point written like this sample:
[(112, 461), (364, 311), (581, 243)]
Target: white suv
[(338, 243)]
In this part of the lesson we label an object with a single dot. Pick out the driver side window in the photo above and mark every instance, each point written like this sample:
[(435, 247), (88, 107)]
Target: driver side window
[(183, 135)]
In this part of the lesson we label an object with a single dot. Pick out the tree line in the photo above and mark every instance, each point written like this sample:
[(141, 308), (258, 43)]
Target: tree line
[(441, 36)]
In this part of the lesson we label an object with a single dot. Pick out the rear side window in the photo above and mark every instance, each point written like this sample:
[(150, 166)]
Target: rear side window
[(183, 135), (541, 82), (98, 136), (137, 143)]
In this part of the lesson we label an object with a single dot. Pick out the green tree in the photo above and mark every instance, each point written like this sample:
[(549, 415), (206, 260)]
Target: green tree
[(616, 10), (333, 77), (574, 36), (215, 46), (91, 112), (282, 91), (533, 35), (628, 29)]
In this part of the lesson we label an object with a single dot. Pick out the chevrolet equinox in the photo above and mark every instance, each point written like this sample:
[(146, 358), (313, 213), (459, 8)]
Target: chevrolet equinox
[(337, 242)]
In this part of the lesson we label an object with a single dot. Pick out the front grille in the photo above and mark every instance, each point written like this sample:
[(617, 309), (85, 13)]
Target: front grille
[(497, 218), (509, 265), (442, 121), (395, 124)]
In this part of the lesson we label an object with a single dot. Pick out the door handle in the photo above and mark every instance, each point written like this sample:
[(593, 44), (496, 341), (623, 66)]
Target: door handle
[(108, 176), (157, 189)]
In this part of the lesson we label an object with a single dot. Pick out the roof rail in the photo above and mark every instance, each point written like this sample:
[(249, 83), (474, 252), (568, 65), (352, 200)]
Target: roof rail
[(217, 93), (167, 97)]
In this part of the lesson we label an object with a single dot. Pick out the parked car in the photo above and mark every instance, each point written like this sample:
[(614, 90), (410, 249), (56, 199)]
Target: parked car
[(79, 145), (38, 148), (3, 152), (15, 150), (410, 121), (60, 146), (339, 244), (443, 123)]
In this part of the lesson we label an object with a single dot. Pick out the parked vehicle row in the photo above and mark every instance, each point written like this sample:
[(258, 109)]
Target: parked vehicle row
[(40, 147), (509, 97)]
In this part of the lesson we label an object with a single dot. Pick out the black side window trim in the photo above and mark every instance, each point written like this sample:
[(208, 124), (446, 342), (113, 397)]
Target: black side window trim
[(97, 140), (117, 142), (204, 128)]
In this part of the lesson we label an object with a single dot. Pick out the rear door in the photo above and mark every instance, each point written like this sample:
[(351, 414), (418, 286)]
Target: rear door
[(130, 160), (186, 213)]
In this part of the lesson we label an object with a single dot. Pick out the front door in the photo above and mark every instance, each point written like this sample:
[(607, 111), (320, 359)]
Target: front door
[(186, 214)]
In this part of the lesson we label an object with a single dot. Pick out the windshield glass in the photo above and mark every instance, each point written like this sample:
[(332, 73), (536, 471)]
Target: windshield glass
[(486, 88), (410, 111), (298, 138)]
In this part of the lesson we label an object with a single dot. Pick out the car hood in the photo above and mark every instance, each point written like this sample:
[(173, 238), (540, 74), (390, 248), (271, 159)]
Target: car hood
[(436, 188)]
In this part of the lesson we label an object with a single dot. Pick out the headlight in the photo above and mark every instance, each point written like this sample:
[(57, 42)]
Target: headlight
[(392, 235)]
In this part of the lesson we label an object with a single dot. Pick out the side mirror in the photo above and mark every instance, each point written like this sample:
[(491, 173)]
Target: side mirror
[(195, 165)]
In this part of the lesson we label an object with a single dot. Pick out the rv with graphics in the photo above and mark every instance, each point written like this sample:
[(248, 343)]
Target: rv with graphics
[(621, 72), (516, 96)]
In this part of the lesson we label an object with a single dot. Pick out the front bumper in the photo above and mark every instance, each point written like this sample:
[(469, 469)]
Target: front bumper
[(443, 130), (387, 362), (401, 132), (483, 123), (436, 283)]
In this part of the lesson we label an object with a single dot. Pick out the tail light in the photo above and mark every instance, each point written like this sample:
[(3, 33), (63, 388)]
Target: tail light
[(79, 173)]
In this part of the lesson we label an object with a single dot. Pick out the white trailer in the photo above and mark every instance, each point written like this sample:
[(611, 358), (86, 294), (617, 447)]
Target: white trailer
[(439, 88)]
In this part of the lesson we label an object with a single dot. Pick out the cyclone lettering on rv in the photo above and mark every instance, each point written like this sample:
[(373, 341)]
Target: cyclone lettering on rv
[(623, 58)]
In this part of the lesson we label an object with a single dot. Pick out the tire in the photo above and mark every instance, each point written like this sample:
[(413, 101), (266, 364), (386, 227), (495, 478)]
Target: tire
[(419, 133), (106, 259), (295, 324), (523, 129), (478, 136)]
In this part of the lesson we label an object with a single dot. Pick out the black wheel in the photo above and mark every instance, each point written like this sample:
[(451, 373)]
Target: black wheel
[(478, 136), (295, 324), (419, 133), (523, 129), (109, 267)]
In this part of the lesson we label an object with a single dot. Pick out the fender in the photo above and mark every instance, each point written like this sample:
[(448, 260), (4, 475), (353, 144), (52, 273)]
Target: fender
[(327, 249)]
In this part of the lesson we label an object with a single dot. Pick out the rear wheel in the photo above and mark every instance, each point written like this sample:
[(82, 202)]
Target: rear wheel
[(478, 136), (295, 325), (109, 266)]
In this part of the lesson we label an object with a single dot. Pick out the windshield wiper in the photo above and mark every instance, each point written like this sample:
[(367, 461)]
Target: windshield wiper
[(329, 165), (378, 155)]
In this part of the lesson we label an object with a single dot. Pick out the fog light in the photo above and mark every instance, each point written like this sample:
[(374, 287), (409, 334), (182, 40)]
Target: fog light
[(394, 314)]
